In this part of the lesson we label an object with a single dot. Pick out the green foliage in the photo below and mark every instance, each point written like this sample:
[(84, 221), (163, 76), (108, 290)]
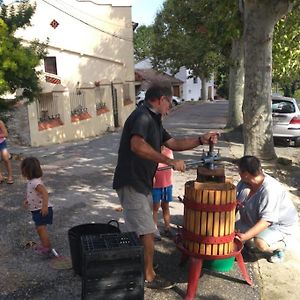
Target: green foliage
[(297, 96), (17, 60), (286, 52), (142, 41), (222, 82), (181, 40)]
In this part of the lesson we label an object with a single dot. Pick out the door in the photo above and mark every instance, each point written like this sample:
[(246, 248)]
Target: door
[(176, 91), (114, 96)]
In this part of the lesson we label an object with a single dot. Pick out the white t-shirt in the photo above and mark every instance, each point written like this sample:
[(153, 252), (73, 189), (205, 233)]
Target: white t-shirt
[(34, 198), (270, 203)]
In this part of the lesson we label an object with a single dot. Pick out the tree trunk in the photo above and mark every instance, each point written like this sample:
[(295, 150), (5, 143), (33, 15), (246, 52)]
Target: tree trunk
[(236, 84), (204, 88), (260, 17)]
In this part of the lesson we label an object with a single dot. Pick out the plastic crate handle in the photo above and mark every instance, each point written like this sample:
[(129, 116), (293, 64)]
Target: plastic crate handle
[(114, 221)]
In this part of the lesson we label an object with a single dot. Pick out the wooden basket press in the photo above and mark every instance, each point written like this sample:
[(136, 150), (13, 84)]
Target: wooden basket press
[(209, 217)]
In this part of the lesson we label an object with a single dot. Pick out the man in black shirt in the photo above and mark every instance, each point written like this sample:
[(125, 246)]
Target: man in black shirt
[(138, 157)]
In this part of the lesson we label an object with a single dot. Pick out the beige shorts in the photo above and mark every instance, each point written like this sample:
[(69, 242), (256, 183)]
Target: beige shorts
[(137, 210)]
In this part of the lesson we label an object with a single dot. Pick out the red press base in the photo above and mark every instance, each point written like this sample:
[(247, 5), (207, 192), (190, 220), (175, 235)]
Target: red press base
[(196, 261)]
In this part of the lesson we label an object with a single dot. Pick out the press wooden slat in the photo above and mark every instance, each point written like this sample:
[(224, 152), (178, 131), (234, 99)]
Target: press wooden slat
[(198, 199), (222, 222), (186, 212), (204, 220), (192, 217), (216, 221), (227, 221), (210, 221)]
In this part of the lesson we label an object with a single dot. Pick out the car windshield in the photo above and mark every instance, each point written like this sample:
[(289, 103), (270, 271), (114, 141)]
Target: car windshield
[(281, 106)]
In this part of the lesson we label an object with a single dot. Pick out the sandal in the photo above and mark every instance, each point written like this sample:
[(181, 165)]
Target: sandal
[(43, 251), (159, 283)]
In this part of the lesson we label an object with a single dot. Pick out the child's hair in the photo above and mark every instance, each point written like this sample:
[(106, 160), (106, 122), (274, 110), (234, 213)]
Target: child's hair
[(31, 168)]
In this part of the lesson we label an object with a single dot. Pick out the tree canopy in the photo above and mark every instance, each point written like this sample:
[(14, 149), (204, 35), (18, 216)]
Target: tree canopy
[(142, 41), (286, 52), (17, 60), (178, 41)]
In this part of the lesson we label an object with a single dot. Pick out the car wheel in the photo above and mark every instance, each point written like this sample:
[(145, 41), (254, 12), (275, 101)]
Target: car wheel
[(281, 142), (174, 102), (140, 103), (297, 142)]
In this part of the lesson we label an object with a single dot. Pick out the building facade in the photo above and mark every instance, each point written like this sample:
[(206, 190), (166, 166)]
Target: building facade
[(89, 65)]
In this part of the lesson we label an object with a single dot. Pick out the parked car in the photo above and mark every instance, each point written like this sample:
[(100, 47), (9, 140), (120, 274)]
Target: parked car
[(141, 97), (286, 120)]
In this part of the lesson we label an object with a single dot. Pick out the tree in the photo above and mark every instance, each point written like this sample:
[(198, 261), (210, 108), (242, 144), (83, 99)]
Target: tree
[(18, 61), (223, 21), (260, 17), (142, 41), (286, 53), (178, 42)]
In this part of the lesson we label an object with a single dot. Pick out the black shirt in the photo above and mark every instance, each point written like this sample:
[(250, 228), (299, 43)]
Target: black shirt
[(132, 169)]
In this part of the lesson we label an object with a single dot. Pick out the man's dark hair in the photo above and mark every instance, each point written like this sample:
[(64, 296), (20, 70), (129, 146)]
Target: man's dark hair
[(31, 168), (156, 91), (250, 164)]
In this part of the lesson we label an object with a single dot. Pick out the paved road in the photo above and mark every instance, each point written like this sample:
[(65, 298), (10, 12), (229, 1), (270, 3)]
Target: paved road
[(79, 177)]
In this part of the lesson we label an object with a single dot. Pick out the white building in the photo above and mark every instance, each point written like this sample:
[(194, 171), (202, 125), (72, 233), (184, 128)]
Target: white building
[(191, 87), (89, 65)]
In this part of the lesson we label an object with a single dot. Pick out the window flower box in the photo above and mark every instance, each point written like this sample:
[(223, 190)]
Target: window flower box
[(80, 117), (51, 123), (101, 111)]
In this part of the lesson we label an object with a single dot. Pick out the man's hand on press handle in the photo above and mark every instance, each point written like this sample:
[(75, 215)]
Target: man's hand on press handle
[(177, 164), (208, 137)]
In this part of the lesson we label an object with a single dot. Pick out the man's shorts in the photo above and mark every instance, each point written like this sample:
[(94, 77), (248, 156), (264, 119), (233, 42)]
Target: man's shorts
[(269, 235), (40, 220), (137, 210), (162, 194), (3, 146)]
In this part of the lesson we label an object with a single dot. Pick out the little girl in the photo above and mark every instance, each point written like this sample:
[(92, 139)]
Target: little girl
[(4, 154), (37, 202)]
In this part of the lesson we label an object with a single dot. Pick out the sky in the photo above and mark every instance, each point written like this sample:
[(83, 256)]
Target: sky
[(144, 11)]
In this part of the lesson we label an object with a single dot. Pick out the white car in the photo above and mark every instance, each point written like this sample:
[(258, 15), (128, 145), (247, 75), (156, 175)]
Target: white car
[(141, 97), (286, 119)]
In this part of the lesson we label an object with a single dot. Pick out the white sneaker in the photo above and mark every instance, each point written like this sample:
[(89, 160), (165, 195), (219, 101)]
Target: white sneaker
[(157, 236), (276, 257)]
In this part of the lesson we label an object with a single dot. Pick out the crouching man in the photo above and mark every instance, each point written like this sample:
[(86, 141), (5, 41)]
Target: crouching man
[(268, 217)]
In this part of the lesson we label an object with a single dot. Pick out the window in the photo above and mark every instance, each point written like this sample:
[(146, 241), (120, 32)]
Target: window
[(281, 106), (50, 64), (195, 80)]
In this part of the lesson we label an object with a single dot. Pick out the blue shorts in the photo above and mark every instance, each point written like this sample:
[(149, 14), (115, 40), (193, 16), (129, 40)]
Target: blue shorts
[(40, 220), (3, 145), (162, 194)]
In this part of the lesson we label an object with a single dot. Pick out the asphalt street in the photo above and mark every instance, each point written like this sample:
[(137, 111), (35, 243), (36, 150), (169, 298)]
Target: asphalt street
[(79, 178)]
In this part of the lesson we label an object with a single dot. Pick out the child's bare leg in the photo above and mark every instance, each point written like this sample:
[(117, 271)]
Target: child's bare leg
[(43, 234), (166, 214), (1, 176), (5, 157), (155, 212)]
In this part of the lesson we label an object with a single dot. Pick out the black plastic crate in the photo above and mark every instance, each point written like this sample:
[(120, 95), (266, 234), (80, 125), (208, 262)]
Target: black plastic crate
[(112, 266)]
